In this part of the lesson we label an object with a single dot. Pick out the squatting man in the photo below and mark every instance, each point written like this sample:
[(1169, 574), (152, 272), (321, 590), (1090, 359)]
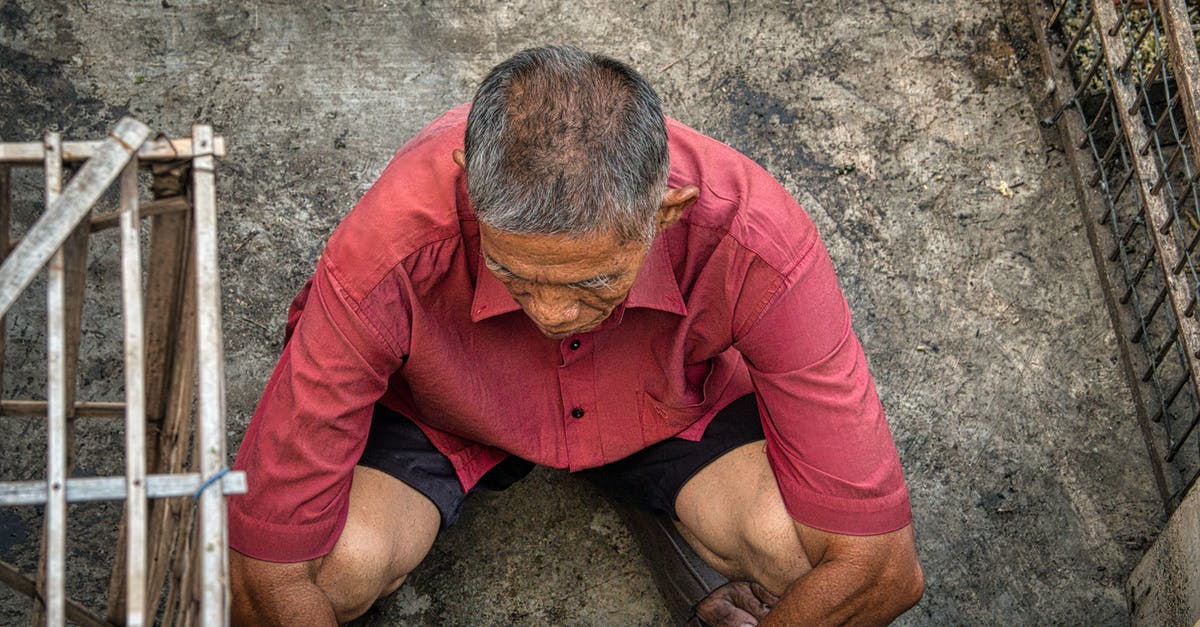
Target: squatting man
[(558, 274)]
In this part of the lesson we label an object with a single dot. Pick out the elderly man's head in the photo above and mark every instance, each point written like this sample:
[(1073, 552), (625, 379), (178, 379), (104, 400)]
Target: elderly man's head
[(566, 161), (561, 141)]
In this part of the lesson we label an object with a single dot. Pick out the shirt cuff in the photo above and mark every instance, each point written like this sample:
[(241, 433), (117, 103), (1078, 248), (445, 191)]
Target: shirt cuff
[(275, 542)]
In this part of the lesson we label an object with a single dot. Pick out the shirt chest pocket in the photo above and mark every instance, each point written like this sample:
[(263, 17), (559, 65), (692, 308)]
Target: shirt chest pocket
[(668, 414)]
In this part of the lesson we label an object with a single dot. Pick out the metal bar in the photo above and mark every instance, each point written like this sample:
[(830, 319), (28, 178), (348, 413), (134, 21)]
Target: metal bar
[(1070, 48), (159, 149), (56, 454), (83, 409), (1160, 355), (1170, 398), (135, 401), (1137, 43), (1059, 5), (88, 489), (1159, 125), (1178, 445), (1136, 336), (1079, 158), (1137, 276), (23, 584), (212, 545), (60, 218)]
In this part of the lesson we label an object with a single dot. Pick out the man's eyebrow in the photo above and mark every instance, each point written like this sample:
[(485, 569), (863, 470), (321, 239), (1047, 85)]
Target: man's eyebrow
[(498, 267)]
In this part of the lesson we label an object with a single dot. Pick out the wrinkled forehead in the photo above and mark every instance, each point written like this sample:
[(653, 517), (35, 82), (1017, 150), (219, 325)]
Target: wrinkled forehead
[(601, 253)]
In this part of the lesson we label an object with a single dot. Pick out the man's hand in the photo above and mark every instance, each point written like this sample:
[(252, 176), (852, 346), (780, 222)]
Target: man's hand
[(734, 604)]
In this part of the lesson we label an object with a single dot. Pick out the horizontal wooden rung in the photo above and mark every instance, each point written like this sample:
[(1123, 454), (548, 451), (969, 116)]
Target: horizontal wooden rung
[(111, 219), (83, 409), (33, 153), (84, 489), (24, 584)]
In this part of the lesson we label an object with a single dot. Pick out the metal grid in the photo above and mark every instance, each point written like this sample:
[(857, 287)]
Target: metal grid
[(172, 335), (1123, 76)]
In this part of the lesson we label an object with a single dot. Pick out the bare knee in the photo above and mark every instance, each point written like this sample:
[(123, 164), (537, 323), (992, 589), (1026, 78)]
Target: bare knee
[(362, 568), (388, 531)]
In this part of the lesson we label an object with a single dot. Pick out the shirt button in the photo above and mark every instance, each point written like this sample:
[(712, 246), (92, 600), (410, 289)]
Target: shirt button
[(575, 344), (577, 412)]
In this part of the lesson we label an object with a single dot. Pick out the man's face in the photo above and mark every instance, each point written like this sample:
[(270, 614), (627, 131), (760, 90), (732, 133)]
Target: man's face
[(565, 285)]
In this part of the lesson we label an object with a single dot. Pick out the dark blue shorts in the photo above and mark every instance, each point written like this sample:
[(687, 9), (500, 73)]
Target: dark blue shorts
[(650, 478)]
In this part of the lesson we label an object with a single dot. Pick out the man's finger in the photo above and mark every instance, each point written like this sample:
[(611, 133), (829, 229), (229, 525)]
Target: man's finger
[(734, 604), (763, 594)]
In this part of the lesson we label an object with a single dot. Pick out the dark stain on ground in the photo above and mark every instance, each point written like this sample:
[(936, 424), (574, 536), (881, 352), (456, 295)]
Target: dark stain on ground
[(993, 57), (764, 128), (13, 534), (39, 96), (12, 17)]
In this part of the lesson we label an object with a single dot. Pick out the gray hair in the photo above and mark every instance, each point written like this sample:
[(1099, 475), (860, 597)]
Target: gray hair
[(562, 141)]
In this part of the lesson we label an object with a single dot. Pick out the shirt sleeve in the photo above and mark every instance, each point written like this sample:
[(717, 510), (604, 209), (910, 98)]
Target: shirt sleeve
[(311, 425), (828, 440)]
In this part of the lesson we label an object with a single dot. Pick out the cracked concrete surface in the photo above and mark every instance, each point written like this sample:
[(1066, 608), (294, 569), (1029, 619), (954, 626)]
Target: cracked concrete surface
[(907, 129)]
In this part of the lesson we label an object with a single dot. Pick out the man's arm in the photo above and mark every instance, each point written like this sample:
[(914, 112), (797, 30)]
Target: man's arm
[(863, 580), (272, 593)]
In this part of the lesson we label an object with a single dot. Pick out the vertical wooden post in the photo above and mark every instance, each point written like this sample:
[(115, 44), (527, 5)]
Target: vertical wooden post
[(56, 455), (213, 556), (170, 368), (5, 229), (72, 269), (135, 399)]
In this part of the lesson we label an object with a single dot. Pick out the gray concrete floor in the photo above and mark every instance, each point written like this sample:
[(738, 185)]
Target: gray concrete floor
[(907, 129)]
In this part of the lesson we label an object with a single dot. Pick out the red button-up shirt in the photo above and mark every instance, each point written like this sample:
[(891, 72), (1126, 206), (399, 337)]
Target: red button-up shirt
[(738, 297)]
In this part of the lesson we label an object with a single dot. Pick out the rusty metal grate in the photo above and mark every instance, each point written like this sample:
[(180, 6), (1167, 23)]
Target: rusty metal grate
[(1123, 78)]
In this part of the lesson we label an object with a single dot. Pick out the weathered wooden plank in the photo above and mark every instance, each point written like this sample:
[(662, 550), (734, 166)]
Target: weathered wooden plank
[(211, 406), (170, 371), (1186, 62), (12, 577), (5, 228), (171, 520), (87, 489), (54, 541), (111, 219), (83, 409), (55, 225), (30, 153), (136, 613)]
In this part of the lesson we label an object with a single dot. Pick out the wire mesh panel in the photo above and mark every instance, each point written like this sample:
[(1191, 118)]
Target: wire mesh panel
[(1123, 76), (172, 332)]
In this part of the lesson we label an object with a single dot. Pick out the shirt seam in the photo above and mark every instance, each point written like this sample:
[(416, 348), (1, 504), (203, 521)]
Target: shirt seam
[(770, 295), (357, 303)]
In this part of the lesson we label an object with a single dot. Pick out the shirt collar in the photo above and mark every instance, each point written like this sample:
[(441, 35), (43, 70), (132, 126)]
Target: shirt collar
[(654, 288)]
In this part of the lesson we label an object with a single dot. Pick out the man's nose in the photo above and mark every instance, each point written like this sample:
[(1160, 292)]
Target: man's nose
[(551, 310)]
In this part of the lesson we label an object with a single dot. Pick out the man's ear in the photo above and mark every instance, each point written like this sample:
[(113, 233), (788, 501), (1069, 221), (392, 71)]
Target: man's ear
[(460, 158), (675, 202)]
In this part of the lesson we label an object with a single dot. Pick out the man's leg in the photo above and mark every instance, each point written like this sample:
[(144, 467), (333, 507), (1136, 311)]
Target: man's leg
[(389, 530), (732, 514), (404, 491)]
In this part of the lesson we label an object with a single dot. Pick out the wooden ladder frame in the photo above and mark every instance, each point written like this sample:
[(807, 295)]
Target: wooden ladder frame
[(173, 354)]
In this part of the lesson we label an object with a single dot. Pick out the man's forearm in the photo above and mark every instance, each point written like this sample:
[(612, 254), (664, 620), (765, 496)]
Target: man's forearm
[(270, 593), (290, 605), (839, 591)]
